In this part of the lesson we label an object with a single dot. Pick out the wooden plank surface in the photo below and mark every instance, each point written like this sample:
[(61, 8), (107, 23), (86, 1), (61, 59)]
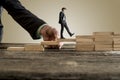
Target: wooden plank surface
[(116, 49), (103, 46), (84, 40), (84, 48), (103, 39), (67, 40), (103, 33), (116, 45), (104, 42), (84, 36), (116, 39), (55, 64), (34, 47), (15, 48), (49, 43), (103, 49)]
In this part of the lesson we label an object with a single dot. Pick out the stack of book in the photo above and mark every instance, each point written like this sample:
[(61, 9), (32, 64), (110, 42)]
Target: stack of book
[(103, 41), (84, 43), (116, 39)]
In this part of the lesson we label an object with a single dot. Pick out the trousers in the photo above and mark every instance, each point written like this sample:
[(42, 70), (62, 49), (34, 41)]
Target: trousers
[(1, 34), (64, 25)]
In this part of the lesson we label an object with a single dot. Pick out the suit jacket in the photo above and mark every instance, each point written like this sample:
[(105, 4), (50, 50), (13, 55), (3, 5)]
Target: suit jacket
[(0, 17), (24, 17), (62, 17)]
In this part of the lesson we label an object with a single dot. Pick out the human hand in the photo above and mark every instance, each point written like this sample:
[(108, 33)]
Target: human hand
[(50, 34)]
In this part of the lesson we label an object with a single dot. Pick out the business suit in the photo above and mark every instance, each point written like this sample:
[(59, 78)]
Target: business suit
[(62, 21), (22, 16)]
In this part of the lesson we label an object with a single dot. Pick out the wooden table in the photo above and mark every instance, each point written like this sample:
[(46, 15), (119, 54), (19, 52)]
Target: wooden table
[(59, 64)]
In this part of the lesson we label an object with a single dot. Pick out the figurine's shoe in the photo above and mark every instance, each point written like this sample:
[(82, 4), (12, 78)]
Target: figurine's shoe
[(72, 34)]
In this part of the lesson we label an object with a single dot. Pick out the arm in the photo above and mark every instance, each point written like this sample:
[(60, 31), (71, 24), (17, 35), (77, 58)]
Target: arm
[(25, 18), (61, 15)]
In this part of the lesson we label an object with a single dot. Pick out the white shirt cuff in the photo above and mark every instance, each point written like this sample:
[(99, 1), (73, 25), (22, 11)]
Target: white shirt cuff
[(38, 31)]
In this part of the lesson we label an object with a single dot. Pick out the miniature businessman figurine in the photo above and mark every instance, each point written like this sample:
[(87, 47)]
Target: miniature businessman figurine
[(62, 21), (35, 26), (1, 26)]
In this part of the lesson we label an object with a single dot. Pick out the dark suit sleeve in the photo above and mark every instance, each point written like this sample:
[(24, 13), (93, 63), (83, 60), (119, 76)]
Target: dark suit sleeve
[(24, 17)]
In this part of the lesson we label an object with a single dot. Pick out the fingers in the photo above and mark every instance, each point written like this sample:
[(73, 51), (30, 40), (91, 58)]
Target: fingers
[(49, 33), (53, 47), (52, 34)]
